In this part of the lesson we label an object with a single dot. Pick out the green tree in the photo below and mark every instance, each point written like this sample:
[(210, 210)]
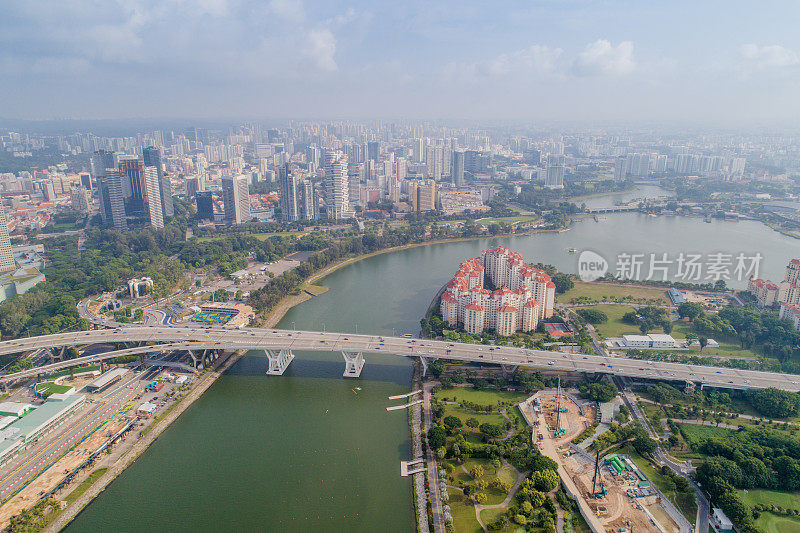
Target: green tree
[(690, 310), (472, 422), (545, 480), (452, 422), (437, 437)]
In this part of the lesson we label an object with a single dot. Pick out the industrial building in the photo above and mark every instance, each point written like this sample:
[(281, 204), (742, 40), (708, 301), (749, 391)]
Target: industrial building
[(106, 380)]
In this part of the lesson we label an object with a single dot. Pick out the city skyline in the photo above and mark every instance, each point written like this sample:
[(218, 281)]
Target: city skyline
[(727, 63)]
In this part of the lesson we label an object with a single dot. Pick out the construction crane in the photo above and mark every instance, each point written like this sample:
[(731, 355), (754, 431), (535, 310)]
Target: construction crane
[(603, 490), (559, 430)]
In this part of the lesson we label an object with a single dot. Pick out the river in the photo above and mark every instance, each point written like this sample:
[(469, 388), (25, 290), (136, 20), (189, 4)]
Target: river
[(307, 451)]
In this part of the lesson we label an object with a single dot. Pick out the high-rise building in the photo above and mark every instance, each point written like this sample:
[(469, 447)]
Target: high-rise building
[(373, 150), (151, 157), (458, 169), (555, 172), (337, 195), (422, 195), (112, 201), (236, 199), (102, 160), (192, 186), (132, 172), (86, 181), (205, 205), (7, 263), (620, 169), (309, 200), (152, 195), (287, 182), (78, 199)]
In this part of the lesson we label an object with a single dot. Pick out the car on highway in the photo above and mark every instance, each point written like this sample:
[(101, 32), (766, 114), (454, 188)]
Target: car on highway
[(551, 363)]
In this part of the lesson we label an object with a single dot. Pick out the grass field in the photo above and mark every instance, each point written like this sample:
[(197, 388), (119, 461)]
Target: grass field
[(482, 397), (790, 500), (695, 434), (85, 484), (463, 512), (615, 327), (770, 523), (77, 370), (49, 387), (464, 414), (259, 236), (598, 292)]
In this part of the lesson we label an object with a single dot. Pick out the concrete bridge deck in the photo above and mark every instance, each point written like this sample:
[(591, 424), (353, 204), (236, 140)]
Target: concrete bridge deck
[(274, 341)]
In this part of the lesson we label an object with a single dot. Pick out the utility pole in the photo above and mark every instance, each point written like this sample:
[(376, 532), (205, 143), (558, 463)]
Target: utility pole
[(558, 407)]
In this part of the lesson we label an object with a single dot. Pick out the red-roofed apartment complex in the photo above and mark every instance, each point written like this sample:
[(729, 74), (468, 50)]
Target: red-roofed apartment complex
[(524, 294), (787, 291)]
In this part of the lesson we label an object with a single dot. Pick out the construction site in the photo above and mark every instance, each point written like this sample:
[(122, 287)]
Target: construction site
[(613, 494)]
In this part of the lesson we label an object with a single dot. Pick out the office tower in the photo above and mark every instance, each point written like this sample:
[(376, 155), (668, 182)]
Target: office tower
[(555, 172), (620, 169), (419, 150), (78, 199), (423, 195), (48, 190), (152, 196), (112, 201), (288, 186), (7, 263), (373, 150), (309, 200), (337, 196), (204, 200), (101, 160), (86, 181), (353, 184), (236, 199), (151, 157), (132, 171), (458, 169), (192, 186)]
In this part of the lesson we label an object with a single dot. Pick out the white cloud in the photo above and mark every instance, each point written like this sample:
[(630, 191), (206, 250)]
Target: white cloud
[(321, 48), (288, 9), (772, 56), (602, 58), (537, 58)]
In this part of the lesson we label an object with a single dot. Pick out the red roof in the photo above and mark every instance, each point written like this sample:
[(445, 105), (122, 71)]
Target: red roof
[(531, 303), (448, 297), (474, 307), (507, 309)]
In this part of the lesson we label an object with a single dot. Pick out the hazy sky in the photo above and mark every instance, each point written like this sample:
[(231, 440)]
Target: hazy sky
[(562, 59)]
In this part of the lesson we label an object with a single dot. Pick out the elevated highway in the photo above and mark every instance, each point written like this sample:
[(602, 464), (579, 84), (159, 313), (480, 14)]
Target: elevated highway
[(280, 346)]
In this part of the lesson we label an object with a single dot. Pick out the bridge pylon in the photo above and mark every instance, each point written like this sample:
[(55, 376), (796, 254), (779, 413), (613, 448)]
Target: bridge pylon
[(353, 363), (278, 361)]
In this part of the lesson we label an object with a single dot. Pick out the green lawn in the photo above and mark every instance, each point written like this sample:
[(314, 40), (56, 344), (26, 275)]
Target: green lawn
[(790, 500), (598, 292), (259, 236), (51, 388), (482, 397), (726, 348), (614, 327), (507, 475), (770, 523), (463, 512), (508, 220), (76, 370), (695, 434), (464, 414), (85, 484)]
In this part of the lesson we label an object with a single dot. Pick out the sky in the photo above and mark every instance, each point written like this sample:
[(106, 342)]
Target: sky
[(578, 60)]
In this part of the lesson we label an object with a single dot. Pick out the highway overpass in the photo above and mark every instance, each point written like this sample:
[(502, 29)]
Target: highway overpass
[(280, 346)]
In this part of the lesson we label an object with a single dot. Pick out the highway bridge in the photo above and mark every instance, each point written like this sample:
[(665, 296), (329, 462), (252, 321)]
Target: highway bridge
[(280, 346)]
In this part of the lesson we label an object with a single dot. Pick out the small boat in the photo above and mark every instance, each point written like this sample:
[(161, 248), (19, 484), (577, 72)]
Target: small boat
[(573, 250)]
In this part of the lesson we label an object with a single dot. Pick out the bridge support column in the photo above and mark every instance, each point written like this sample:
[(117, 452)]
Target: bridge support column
[(353, 363), (509, 369), (194, 358), (425, 362), (278, 361)]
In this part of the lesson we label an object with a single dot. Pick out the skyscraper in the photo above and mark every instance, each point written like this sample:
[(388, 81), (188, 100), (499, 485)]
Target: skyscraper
[(337, 195), (236, 199), (373, 150), (289, 194), (205, 205), (555, 172), (7, 263), (112, 202), (102, 160), (458, 169), (152, 194), (132, 172), (309, 203), (151, 157)]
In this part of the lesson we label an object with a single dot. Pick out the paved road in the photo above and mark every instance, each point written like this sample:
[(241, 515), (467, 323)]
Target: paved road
[(430, 461), (58, 442), (195, 337)]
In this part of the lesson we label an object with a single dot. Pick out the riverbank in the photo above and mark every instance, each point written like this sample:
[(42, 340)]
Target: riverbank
[(141, 446)]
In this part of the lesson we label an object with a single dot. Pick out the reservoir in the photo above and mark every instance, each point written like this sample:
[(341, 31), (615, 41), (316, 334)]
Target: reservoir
[(308, 451)]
